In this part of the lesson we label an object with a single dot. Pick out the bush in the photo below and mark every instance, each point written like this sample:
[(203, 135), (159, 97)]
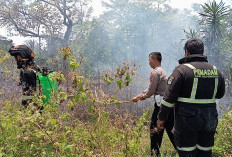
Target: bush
[(82, 125), (223, 139), (52, 133)]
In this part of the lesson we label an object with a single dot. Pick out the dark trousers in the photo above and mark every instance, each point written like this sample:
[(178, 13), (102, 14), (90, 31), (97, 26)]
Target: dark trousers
[(194, 129), (156, 136)]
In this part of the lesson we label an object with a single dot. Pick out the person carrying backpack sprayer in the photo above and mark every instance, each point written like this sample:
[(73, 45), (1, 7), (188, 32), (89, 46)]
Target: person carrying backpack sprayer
[(32, 79)]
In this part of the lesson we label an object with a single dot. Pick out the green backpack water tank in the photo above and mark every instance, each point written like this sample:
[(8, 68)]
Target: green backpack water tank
[(48, 85)]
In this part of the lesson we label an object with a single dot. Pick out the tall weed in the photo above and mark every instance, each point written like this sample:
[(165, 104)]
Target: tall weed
[(223, 138)]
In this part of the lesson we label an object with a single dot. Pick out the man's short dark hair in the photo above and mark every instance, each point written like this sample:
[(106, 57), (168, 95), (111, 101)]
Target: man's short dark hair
[(194, 46), (156, 55)]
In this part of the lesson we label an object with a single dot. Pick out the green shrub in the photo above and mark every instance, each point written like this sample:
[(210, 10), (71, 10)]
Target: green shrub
[(223, 139), (51, 133)]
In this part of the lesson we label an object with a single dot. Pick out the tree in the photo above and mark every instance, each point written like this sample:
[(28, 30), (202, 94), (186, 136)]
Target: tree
[(52, 20), (213, 20), (138, 27), (5, 43), (97, 48), (191, 33)]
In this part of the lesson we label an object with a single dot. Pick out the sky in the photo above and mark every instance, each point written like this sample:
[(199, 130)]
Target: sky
[(98, 9), (180, 4)]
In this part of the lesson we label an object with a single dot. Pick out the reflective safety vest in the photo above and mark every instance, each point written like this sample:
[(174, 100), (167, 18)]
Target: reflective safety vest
[(206, 73)]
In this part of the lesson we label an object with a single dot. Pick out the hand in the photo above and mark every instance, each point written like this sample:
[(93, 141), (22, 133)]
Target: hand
[(137, 98), (19, 83), (160, 124), (154, 130)]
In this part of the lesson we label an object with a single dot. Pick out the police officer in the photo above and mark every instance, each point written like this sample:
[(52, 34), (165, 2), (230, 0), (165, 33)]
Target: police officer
[(158, 82), (25, 62), (192, 90)]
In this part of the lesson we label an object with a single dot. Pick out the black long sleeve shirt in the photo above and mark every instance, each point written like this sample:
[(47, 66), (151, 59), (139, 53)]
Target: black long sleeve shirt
[(180, 83)]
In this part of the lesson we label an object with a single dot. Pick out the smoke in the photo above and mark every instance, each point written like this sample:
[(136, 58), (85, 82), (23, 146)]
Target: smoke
[(134, 30), (131, 30)]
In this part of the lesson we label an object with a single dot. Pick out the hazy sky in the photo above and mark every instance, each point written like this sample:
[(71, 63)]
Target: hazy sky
[(181, 4)]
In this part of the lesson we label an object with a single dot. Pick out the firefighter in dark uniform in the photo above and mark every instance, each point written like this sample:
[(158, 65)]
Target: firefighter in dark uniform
[(158, 83), (25, 62), (192, 90)]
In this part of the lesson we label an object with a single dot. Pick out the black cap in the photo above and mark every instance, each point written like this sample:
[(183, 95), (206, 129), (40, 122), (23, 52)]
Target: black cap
[(22, 50)]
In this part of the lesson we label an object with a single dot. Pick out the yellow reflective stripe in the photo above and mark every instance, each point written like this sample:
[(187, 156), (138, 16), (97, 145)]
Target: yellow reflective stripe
[(194, 147), (215, 88), (216, 84), (26, 97), (188, 149), (196, 101), (165, 103), (195, 82), (190, 66), (194, 88), (204, 148)]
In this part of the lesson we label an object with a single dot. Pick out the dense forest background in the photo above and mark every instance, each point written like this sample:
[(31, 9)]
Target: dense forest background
[(108, 55)]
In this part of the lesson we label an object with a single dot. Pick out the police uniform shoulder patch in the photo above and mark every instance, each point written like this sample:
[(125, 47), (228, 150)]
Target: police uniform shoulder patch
[(170, 80)]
